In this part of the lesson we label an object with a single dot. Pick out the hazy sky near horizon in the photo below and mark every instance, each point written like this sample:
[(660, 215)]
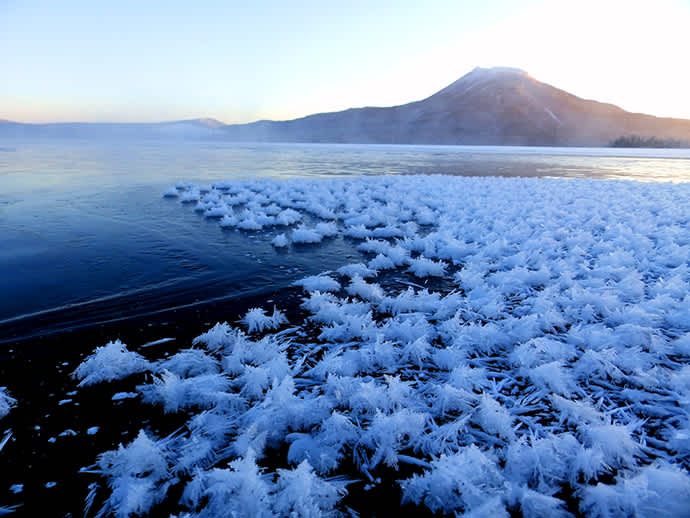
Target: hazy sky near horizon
[(80, 60)]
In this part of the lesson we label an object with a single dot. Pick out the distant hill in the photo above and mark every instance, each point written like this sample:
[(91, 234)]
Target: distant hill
[(498, 106), (194, 129)]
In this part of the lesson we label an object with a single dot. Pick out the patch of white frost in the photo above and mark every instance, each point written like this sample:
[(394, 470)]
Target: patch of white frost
[(111, 362), (6, 402), (256, 319)]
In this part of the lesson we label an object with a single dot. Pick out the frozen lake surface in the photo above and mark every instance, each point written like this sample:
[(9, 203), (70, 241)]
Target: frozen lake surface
[(485, 346), (88, 239)]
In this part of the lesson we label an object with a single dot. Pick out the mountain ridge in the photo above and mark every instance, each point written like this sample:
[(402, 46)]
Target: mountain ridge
[(496, 106)]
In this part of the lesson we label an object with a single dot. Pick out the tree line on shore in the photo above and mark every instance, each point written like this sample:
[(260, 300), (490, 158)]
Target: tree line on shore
[(648, 142)]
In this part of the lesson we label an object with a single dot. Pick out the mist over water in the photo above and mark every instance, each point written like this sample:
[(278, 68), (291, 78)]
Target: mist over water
[(87, 237)]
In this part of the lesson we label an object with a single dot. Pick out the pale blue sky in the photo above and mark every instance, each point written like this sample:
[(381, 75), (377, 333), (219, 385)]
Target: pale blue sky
[(75, 60)]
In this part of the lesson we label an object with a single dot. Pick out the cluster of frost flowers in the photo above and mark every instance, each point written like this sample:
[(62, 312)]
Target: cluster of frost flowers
[(110, 362), (6, 402), (522, 344)]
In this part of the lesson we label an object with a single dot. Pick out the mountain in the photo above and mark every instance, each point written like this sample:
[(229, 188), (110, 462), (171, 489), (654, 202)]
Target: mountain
[(498, 106)]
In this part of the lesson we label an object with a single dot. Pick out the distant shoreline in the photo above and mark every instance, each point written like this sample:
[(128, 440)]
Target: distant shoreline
[(621, 143)]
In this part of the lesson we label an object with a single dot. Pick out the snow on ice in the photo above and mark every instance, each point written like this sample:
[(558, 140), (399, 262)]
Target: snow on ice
[(530, 357)]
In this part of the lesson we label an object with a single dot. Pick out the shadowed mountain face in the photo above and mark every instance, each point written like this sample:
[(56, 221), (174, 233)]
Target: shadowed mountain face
[(498, 106)]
